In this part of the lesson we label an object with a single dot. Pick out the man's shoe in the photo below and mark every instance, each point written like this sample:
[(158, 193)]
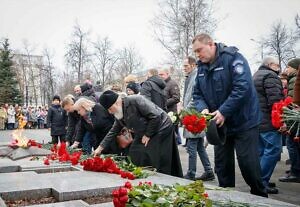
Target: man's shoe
[(290, 179), (206, 176), (188, 177), (272, 190), (271, 185)]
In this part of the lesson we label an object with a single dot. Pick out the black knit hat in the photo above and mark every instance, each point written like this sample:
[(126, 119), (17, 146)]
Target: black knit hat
[(56, 97), (86, 86), (133, 86), (294, 63), (108, 98)]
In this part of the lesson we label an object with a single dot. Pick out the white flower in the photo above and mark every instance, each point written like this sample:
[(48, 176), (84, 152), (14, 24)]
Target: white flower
[(172, 116)]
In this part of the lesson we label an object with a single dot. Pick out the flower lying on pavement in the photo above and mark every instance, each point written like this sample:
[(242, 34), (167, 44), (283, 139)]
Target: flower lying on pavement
[(153, 195)]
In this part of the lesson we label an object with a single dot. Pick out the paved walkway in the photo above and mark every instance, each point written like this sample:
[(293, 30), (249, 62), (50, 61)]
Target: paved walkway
[(288, 192)]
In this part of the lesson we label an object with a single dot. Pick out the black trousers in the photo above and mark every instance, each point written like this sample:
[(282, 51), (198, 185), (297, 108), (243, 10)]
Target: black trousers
[(56, 137), (246, 146)]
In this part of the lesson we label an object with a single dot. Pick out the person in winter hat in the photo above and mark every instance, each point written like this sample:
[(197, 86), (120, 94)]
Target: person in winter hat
[(291, 70), (132, 88), (56, 120)]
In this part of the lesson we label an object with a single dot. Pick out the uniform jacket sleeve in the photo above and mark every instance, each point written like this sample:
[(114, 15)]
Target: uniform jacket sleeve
[(241, 82), (198, 99)]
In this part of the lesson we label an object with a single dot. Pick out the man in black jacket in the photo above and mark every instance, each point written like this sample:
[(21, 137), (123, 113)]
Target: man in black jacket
[(172, 92), (153, 132), (269, 89), (153, 89), (73, 119)]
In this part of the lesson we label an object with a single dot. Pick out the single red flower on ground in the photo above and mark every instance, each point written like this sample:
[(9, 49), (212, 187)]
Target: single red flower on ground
[(46, 162)]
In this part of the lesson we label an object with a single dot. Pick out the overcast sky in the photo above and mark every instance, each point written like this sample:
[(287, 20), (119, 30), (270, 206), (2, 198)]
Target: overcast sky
[(49, 23)]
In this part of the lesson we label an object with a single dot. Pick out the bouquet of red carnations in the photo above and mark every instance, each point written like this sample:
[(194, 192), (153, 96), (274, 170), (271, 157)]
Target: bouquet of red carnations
[(62, 154), (277, 112), (194, 121), (286, 116)]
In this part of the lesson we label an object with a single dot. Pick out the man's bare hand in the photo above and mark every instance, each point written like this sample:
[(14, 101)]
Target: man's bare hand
[(205, 111), (75, 145), (97, 151), (145, 140), (218, 117)]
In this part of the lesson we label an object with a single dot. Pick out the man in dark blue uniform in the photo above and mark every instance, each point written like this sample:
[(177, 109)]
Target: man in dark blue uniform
[(224, 88)]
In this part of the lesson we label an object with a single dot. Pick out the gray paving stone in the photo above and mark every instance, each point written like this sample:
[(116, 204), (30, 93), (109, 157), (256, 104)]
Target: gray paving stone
[(21, 153), (103, 205), (7, 165), (76, 203), (5, 150), (231, 195), (34, 193)]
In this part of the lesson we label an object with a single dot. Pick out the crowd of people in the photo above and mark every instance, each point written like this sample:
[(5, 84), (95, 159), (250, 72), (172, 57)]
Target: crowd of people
[(136, 122), (15, 116)]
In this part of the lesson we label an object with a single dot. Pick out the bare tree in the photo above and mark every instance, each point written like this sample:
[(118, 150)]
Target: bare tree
[(32, 71), (65, 83), (280, 42), (129, 61), (48, 77), (104, 60), (297, 20), (178, 21), (77, 53)]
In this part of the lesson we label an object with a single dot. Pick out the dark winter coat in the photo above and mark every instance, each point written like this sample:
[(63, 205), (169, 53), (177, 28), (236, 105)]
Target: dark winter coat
[(153, 90), (291, 83), (226, 85), (57, 120), (269, 90), (101, 122), (73, 124), (172, 92), (145, 118)]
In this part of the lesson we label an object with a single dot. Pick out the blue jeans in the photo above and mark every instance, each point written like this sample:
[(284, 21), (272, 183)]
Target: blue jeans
[(195, 145), (87, 143), (270, 146), (294, 154)]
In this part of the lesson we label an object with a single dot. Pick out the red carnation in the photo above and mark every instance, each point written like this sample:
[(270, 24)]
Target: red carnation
[(115, 193), (130, 176), (46, 162), (128, 185), (123, 199), (122, 191), (116, 202)]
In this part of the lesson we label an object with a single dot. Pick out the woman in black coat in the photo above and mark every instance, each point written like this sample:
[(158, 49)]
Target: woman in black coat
[(94, 119)]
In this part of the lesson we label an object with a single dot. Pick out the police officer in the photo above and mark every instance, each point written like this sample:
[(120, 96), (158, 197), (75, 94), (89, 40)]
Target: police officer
[(224, 88)]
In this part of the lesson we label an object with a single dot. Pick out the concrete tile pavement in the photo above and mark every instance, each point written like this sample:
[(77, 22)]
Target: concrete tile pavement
[(288, 192)]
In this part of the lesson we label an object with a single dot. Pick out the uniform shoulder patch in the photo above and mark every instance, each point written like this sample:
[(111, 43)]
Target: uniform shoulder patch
[(237, 62), (239, 69)]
